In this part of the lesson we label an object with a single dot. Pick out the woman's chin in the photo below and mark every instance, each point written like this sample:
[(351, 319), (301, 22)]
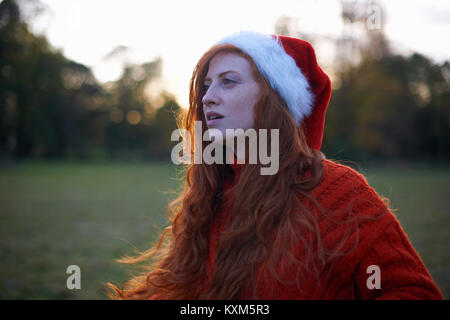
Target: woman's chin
[(216, 135), (221, 136)]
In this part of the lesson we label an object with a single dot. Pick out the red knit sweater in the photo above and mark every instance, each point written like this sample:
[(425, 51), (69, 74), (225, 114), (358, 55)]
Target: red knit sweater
[(381, 242)]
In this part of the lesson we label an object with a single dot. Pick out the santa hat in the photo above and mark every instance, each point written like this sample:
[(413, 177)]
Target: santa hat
[(290, 66)]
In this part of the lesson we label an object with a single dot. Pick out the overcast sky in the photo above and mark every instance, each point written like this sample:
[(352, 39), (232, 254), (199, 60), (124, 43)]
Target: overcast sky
[(180, 31)]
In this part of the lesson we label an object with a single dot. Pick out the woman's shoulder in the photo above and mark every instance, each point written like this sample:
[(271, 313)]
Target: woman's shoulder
[(346, 196), (341, 182), (352, 208), (338, 172)]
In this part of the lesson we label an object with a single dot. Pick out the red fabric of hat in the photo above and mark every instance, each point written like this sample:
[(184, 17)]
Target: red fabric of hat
[(305, 58)]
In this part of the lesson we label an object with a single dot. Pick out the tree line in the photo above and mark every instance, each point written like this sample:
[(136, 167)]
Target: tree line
[(383, 106), (53, 107), (391, 107)]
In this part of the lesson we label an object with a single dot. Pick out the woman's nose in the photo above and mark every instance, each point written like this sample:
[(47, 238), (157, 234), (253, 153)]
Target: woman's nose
[(210, 98)]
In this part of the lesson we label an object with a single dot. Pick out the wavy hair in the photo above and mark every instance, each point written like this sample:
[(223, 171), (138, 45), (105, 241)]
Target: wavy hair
[(264, 223)]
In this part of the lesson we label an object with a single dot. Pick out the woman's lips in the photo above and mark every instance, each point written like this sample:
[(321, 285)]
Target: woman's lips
[(212, 118), (213, 121)]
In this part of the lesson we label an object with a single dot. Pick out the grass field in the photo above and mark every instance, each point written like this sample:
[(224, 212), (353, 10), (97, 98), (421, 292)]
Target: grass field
[(56, 214)]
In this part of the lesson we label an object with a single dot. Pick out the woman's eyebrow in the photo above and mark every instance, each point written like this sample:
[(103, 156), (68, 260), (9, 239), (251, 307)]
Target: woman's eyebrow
[(223, 73)]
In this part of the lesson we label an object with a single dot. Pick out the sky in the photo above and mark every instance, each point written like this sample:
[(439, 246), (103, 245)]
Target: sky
[(180, 31)]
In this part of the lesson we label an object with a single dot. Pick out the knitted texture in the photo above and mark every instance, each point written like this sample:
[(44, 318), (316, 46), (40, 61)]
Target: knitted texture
[(373, 236)]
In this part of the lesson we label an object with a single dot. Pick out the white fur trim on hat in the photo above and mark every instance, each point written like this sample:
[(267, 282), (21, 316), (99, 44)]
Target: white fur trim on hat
[(278, 67)]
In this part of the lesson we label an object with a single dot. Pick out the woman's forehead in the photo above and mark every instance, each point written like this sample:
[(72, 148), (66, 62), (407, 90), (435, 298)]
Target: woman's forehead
[(228, 62)]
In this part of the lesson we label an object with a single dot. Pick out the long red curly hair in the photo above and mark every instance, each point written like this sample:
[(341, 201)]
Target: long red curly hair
[(176, 265)]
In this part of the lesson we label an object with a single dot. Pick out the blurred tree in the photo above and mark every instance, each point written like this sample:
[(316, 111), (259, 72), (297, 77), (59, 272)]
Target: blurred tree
[(51, 106), (395, 107), (383, 105), (362, 33), (131, 111), (82, 115), (165, 123), (429, 84), (44, 96), (369, 115)]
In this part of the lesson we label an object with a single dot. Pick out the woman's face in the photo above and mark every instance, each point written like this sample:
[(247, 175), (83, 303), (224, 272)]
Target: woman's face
[(231, 93)]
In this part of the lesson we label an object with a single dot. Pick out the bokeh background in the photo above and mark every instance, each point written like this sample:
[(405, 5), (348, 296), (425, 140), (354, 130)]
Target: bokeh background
[(88, 93)]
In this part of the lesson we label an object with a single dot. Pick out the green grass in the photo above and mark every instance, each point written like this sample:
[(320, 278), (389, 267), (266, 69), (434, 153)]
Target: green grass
[(55, 214), (419, 195)]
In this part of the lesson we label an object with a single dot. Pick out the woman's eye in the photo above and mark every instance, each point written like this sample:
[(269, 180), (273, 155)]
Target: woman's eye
[(228, 81)]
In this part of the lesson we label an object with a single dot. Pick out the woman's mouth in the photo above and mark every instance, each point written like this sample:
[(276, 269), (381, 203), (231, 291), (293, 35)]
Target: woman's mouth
[(213, 117)]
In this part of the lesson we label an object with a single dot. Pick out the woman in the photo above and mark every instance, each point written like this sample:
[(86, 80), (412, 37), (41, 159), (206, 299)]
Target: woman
[(313, 230)]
